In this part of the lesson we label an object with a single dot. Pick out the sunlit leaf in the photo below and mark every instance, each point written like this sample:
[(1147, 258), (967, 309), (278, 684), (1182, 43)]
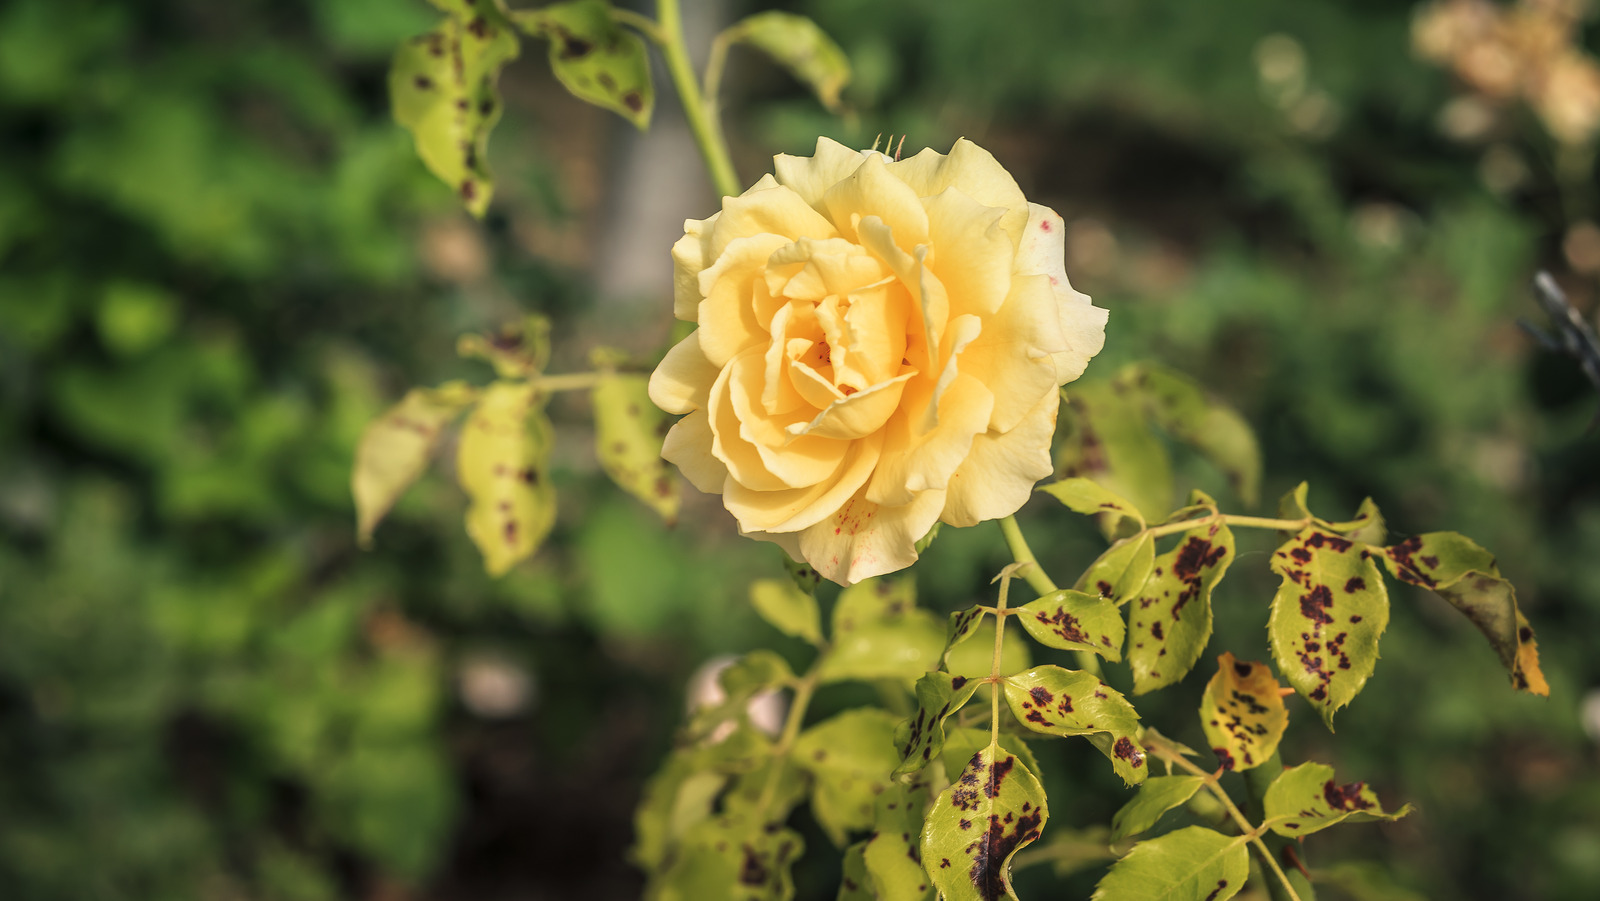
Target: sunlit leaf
[(1179, 405), (894, 852), (1191, 864), (797, 44), (975, 659), (599, 62), (1104, 436), (962, 742), (880, 633), (1090, 498), (1307, 799), (1455, 568), (503, 465), (1169, 623), (788, 609), (1156, 796), (1326, 617), (919, 739), (442, 89), (628, 430), (730, 851), (768, 793), (849, 757), (1120, 573), (1242, 713), (1075, 621), (992, 811), (1058, 701), (395, 449), (517, 350)]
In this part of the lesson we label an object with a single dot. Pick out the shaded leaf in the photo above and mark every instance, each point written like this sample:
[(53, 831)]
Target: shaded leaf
[(395, 449), (855, 884), (880, 633), (598, 61), (1179, 405), (1170, 622), (849, 758), (1312, 801), (1090, 498), (1242, 713), (804, 575), (503, 464), (678, 796), (1455, 568), (788, 609), (1190, 864), (1075, 621), (518, 350), (1156, 796), (730, 857), (894, 852), (767, 794), (1326, 617), (1368, 526), (1075, 850), (920, 738), (1120, 573), (756, 672), (962, 624), (1105, 437), (628, 430), (994, 809), (797, 44), (1059, 701)]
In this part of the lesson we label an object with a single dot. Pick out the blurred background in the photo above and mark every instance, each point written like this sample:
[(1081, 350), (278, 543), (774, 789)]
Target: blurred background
[(219, 258)]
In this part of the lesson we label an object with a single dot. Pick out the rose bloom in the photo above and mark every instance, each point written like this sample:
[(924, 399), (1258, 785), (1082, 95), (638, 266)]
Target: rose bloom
[(879, 348)]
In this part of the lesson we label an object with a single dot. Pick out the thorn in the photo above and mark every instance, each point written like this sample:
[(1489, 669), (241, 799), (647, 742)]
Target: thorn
[(1285, 692), (1293, 858)]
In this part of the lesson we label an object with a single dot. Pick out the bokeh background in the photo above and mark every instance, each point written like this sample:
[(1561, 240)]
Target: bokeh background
[(219, 258)]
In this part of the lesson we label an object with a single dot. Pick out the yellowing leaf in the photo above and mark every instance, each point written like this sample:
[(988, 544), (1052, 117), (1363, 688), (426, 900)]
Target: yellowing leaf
[(893, 855), (730, 850), (1058, 701), (442, 89), (1075, 621), (788, 609), (849, 758), (1306, 799), (797, 44), (503, 465), (1169, 623), (1191, 864), (628, 429), (395, 448), (1242, 713), (880, 633), (518, 350), (993, 810), (599, 62)]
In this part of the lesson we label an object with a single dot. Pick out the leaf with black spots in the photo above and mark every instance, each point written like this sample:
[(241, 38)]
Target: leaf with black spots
[(893, 854), (628, 430), (1075, 621), (1327, 617), (1180, 406), (729, 856), (1307, 799), (920, 738), (442, 89), (598, 61), (1058, 701), (1090, 498), (962, 742), (1368, 526), (849, 758), (879, 632), (1169, 623), (788, 609), (1190, 864), (395, 449), (962, 624), (1242, 713), (1105, 436), (991, 811), (855, 884), (517, 350), (503, 463), (1156, 796), (1455, 568), (1120, 573), (797, 44)]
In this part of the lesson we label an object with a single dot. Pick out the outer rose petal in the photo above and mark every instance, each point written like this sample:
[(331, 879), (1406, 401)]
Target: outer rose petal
[(1083, 325), (862, 539), (688, 447), (683, 380), (1014, 351), (690, 255), (972, 170), (812, 176), (998, 476)]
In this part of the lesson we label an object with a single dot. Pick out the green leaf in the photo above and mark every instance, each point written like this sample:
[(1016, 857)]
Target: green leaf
[(756, 672), (1179, 405), (926, 541), (962, 742), (975, 659), (1170, 623), (1311, 800), (855, 883), (730, 852), (678, 796), (1075, 621), (442, 89), (1059, 701), (503, 464), (1191, 864), (1367, 528), (880, 633), (1242, 713), (804, 575), (1105, 437), (628, 429), (849, 758), (788, 609), (1075, 850), (995, 809), (518, 350), (963, 623), (797, 44), (1120, 573), (1090, 498), (894, 852), (1156, 796), (1326, 617), (920, 738), (599, 62), (1455, 568), (395, 448)]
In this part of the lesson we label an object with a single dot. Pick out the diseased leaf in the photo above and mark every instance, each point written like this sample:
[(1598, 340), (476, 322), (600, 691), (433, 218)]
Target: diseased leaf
[(677, 797), (628, 429), (518, 350), (1179, 405), (804, 575), (598, 61), (1455, 568), (442, 89), (1075, 621), (855, 884), (788, 609), (1191, 864), (1059, 701), (1312, 801), (503, 464), (395, 449), (1120, 573), (797, 44), (894, 852), (992, 811), (761, 797), (1367, 528), (880, 633), (962, 742), (1326, 617), (1090, 498), (1242, 713), (1156, 796), (1105, 437), (960, 628), (849, 758), (730, 851), (1170, 622), (920, 738)]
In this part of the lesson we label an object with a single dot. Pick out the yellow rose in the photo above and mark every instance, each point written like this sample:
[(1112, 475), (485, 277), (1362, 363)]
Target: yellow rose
[(879, 349)]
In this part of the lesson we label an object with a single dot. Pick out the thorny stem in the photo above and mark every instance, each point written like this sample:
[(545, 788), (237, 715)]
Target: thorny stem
[(1039, 581), (791, 729), (698, 109)]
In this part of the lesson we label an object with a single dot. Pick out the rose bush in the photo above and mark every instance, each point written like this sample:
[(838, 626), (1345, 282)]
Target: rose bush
[(879, 348)]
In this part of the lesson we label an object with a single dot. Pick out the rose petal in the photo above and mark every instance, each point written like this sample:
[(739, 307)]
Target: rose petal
[(690, 255), (872, 191), (1014, 352), (1083, 325), (973, 253), (688, 447), (795, 461), (767, 209), (913, 461), (972, 170), (863, 539), (812, 176), (797, 508), (728, 320), (999, 473), (683, 380), (858, 415)]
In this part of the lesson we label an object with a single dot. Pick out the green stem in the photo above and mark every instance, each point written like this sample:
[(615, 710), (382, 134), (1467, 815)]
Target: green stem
[(994, 664), (700, 111), (1230, 519), (791, 729), (1039, 581), (1256, 780)]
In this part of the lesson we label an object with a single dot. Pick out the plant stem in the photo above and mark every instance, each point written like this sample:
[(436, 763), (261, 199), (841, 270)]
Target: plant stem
[(994, 664), (1039, 581), (699, 110), (642, 24), (1256, 780), (1231, 519), (791, 729)]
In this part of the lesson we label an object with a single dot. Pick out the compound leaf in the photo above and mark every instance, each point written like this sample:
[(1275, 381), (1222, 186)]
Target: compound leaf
[(797, 44), (920, 738), (993, 810)]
